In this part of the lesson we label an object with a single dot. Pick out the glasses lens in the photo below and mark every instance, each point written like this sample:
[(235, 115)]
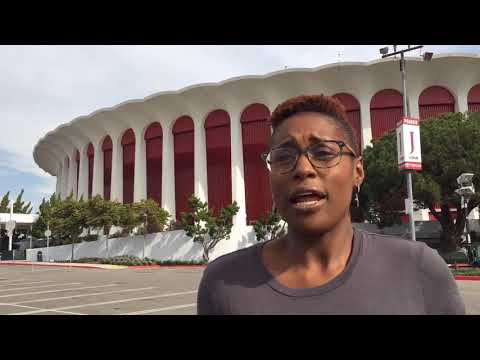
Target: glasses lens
[(282, 159), (325, 154)]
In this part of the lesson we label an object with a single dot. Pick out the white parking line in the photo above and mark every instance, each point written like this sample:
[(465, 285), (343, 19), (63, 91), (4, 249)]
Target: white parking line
[(41, 286), (29, 283), (52, 291), (83, 295), (110, 302), (160, 309), (40, 309)]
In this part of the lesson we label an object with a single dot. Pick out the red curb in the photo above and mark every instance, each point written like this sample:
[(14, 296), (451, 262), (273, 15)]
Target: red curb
[(466, 277), (167, 266)]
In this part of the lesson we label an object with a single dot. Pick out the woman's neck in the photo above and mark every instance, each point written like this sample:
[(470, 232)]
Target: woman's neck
[(322, 251)]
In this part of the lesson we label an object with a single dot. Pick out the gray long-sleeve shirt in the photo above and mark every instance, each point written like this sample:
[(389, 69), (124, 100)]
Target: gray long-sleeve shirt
[(384, 275)]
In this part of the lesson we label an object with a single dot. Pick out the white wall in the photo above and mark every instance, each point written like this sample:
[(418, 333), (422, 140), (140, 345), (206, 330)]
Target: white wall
[(169, 245)]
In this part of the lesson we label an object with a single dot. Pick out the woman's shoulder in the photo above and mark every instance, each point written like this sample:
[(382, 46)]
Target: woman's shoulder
[(393, 246), (232, 263)]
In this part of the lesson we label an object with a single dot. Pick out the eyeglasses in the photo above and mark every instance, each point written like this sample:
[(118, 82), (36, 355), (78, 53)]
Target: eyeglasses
[(322, 154)]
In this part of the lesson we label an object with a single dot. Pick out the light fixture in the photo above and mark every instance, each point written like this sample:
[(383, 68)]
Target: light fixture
[(384, 51), (427, 56)]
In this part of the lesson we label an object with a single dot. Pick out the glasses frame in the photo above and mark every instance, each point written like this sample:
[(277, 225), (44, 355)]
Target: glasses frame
[(306, 152)]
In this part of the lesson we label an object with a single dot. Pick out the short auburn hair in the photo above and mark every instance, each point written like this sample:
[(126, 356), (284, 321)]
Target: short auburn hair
[(315, 103)]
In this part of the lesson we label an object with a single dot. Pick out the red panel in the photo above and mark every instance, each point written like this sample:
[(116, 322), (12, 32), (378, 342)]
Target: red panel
[(435, 95), (184, 181), (154, 168), (386, 109), (474, 99), (349, 101), (387, 98), (183, 124), (90, 175), (78, 172), (255, 136), (183, 144), (352, 107), (128, 172), (153, 131), (128, 137), (107, 143), (128, 144), (428, 111), (434, 101), (474, 107), (255, 112), (217, 118), (107, 173), (218, 160), (90, 150)]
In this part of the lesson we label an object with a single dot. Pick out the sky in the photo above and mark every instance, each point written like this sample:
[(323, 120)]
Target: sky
[(42, 87)]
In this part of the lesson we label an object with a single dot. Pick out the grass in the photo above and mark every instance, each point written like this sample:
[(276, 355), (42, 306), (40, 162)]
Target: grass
[(467, 272)]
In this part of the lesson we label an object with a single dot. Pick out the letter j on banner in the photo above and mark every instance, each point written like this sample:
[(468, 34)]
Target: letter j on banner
[(408, 144)]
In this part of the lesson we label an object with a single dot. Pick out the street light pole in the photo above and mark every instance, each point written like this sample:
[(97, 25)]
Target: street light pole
[(406, 113), (409, 173)]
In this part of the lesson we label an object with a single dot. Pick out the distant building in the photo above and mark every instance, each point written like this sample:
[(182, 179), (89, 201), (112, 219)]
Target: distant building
[(207, 139)]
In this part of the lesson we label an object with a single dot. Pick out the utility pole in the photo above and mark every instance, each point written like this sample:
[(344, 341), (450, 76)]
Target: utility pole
[(406, 113)]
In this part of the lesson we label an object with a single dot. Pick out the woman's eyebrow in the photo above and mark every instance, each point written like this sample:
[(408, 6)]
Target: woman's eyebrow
[(316, 139), (287, 142)]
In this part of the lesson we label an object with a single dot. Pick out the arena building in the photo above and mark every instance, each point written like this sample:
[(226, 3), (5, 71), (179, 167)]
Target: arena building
[(207, 139)]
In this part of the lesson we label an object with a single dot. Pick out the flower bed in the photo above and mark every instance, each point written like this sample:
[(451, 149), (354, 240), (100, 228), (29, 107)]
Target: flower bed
[(128, 260)]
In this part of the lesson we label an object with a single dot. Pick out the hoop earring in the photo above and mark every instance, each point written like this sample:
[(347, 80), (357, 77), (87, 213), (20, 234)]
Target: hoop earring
[(356, 196)]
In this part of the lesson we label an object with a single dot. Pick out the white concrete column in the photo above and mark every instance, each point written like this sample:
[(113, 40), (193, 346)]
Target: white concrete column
[(413, 102), (116, 188), (72, 176), (97, 182), (140, 176), (59, 179), (168, 172), (65, 173), (83, 176), (366, 122), (238, 179), (200, 163), (461, 103)]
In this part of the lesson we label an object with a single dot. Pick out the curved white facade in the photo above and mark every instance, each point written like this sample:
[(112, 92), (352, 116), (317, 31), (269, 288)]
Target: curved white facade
[(456, 73)]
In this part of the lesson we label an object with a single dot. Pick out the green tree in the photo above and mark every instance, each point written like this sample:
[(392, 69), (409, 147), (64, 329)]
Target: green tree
[(202, 226), (268, 227), (102, 214), (44, 212), (4, 203), (69, 219), (450, 147), (156, 217), (129, 218), (19, 205)]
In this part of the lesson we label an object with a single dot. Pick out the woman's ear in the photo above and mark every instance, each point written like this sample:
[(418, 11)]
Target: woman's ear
[(359, 173)]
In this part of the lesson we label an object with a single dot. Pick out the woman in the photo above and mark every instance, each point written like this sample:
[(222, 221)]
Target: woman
[(323, 265)]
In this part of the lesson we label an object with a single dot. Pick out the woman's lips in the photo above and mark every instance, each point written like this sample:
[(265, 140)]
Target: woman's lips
[(307, 203)]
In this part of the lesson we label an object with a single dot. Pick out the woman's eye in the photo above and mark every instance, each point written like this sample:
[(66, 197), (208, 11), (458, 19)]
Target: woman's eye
[(281, 156), (323, 153)]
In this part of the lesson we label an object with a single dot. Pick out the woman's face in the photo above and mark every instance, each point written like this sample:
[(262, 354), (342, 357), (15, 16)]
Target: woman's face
[(313, 200)]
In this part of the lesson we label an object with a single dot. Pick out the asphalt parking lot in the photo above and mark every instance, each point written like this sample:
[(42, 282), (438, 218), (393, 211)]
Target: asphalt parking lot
[(34, 290), (28, 290)]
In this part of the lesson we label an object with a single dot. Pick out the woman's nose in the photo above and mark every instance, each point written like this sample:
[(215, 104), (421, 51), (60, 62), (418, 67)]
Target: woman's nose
[(304, 168)]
